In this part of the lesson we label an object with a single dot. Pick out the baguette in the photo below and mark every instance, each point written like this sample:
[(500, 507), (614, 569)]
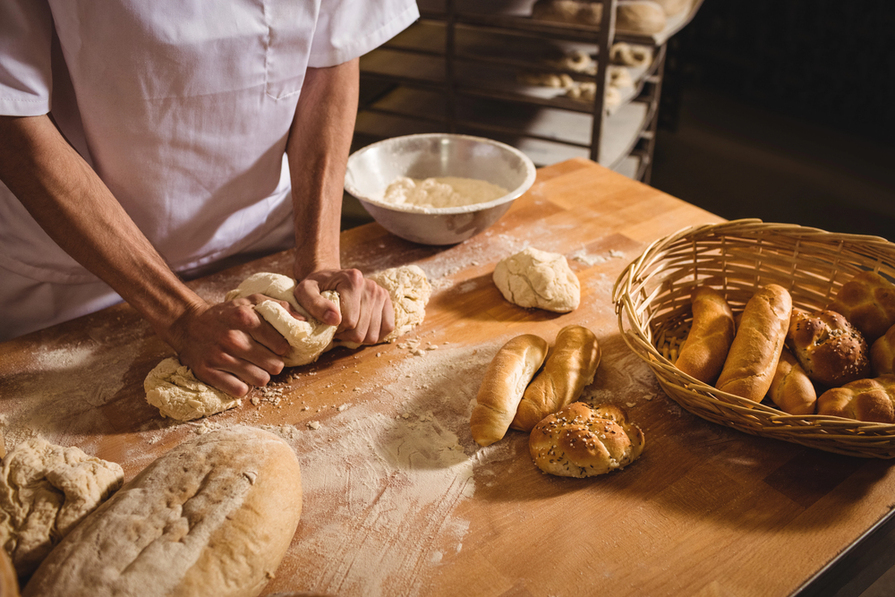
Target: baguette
[(752, 361), (871, 400), (213, 516), (703, 353), (791, 389), (569, 368), (505, 380)]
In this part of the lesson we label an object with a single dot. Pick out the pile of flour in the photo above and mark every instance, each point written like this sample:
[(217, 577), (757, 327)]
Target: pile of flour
[(447, 191)]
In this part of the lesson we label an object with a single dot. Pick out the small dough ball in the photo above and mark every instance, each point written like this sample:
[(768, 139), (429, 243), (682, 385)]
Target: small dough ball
[(45, 490), (535, 278), (580, 441), (173, 389)]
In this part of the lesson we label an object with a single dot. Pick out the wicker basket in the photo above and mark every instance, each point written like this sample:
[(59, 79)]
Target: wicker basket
[(652, 301)]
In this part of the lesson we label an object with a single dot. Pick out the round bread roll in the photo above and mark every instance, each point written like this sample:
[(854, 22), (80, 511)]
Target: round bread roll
[(868, 302), (871, 400), (828, 348), (579, 441), (570, 367), (882, 353), (791, 389), (213, 516), (703, 353), (505, 380)]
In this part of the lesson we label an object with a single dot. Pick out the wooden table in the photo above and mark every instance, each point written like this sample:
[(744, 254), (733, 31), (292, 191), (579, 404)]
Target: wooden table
[(398, 499)]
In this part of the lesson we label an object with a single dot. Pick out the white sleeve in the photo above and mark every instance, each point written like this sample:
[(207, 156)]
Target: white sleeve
[(347, 29), (26, 33)]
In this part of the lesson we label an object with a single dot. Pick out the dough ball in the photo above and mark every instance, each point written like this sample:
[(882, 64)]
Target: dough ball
[(173, 389), (308, 338), (579, 441), (535, 278), (45, 490)]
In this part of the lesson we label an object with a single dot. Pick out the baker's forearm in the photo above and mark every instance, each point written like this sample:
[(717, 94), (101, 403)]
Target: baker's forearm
[(318, 147), (71, 203)]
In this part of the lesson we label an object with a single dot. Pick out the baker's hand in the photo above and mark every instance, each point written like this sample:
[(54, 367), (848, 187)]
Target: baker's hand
[(365, 314), (229, 345)]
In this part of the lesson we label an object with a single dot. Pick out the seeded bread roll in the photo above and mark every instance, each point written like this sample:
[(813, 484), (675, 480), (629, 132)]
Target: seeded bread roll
[(752, 361), (868, 400), (213, 516), (828, 348), (505, 380), (882, 353), (569, 368), (703, 353), (791, 389), (579, 441), (868, 302)]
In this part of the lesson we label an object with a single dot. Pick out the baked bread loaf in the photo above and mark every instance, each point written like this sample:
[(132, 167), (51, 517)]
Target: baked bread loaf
[(868, 400), (579, 441), (752, 360), (882, 353), (828, 348), (868, 303), (791, 389), (213, 516), (703, 353), (569, 368), (505, 380)]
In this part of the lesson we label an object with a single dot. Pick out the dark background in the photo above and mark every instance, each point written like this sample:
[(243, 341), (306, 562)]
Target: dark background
[(783, 110)]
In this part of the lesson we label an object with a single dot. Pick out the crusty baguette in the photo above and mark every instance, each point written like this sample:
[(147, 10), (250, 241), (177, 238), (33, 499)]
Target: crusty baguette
[(213, 516), (569, 368), (791, 389), (703, 353), (504, 382), (871, 400), (755, 351)]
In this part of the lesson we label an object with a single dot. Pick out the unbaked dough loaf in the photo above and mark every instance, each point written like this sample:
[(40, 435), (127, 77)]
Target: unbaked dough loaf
[(409, 289), (308, 338), (535, 278), (173, 389), (579, 441), (213, 516), (45, 490)]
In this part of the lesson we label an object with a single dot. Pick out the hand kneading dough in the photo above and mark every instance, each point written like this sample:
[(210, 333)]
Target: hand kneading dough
[(45, 490), (173, 389), (308, 339), (409, 290), (535, 278), (214, 516), (579, 441)]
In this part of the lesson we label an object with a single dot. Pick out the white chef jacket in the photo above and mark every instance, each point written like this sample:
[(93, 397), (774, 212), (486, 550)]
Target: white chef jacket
[(181, 106)]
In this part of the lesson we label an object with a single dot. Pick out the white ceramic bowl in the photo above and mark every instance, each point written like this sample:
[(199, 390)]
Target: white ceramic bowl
[(373, 168)]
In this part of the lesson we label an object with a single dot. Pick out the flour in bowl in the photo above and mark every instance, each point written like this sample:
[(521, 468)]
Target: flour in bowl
[(446, 191)]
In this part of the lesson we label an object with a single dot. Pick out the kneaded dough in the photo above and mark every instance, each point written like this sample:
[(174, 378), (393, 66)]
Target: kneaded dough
[(409, 290), (173, 389), (535, 278), (45, 490), (309, 338)]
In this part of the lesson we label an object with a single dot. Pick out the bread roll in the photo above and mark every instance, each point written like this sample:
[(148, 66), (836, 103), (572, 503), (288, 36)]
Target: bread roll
[(864, 400), (752, 361), (703, 353), (505, 380), (579, 441), (882, 353), (828, 348), (791, 389), (569, 368), (868, 302), (213, 516)]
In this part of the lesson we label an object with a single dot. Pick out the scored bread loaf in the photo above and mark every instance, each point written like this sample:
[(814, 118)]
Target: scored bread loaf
[(828, 348), (868, 302), (213, 516), (504, 382), (882, 353), (752, 360), (579, 441), (871, 400), (569, 368), (703, 353), (791, 388)]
